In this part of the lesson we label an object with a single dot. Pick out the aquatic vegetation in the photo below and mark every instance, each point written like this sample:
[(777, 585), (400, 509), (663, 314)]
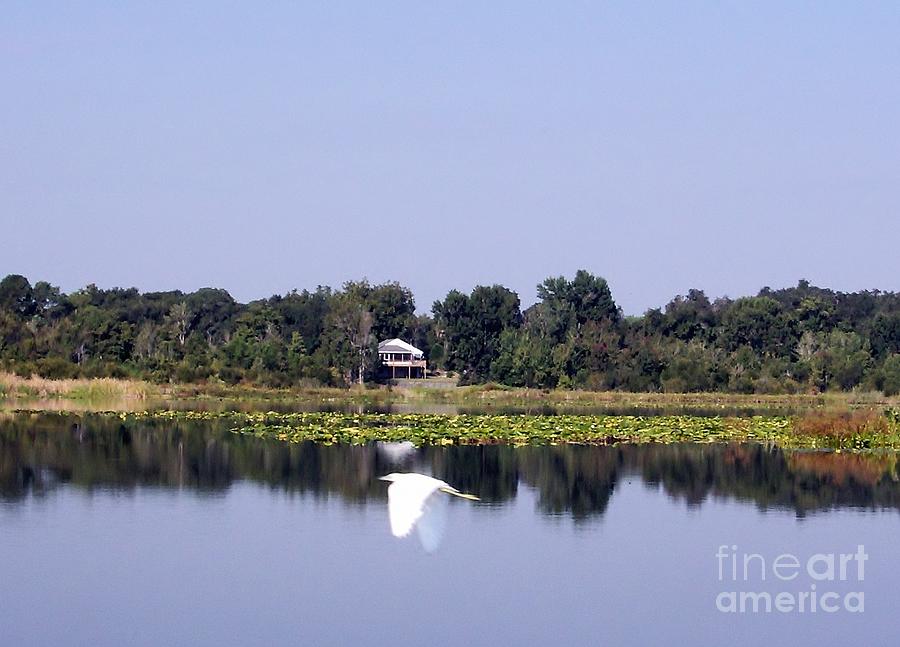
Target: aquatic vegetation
[(519, 430)]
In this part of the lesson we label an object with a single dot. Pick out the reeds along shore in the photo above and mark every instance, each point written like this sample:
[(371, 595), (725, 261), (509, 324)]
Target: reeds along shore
[(127, 394), (14, 386)]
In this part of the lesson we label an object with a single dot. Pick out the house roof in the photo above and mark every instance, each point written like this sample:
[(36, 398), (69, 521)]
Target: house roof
[(397, 346)]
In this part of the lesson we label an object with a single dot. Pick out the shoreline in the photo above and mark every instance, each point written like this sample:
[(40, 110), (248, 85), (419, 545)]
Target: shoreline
[(132, 395)]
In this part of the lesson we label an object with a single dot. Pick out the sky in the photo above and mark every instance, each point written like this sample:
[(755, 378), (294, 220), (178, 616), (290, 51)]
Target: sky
[(262, 147)]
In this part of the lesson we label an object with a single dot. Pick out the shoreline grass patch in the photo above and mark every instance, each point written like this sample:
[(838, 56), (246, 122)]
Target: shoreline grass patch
[(843, 423), (81, 389), (487, 398)]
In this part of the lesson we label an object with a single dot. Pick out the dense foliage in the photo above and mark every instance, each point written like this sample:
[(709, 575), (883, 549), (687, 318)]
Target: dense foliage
[(803, 338)]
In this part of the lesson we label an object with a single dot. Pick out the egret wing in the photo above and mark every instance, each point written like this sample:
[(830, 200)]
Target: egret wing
[(433, 522), (406, 505)]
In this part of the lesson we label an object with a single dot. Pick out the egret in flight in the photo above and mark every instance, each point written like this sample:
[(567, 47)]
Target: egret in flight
[(417, 501)]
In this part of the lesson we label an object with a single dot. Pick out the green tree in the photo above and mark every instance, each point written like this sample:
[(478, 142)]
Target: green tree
[(471, 326), (692, 366), (351, 318), (524, 359), (568, 305), (761, 324), (304, 313), (891, 375), (393, 311), (840, 361), (689, 317), (16, 296), (180, 321), (885, 334), (256, 343), (213, 314)]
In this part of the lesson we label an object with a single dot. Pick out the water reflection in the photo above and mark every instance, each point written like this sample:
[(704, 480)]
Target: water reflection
[(39, 453), (396, 453)]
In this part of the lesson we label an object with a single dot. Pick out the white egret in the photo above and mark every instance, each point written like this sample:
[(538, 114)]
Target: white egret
[(415, 501)]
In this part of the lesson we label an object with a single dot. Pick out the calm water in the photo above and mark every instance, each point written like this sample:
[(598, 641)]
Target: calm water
[(190, 535)]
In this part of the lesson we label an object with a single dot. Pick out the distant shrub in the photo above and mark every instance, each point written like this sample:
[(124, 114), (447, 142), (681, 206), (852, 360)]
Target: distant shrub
[(185, 372), (596, 382), (230, 375), (768, 385), (493, 386), (674, 385), (24, 369), (56, 368)]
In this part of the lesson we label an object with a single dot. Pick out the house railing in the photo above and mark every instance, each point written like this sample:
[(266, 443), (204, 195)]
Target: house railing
[(414, 363)]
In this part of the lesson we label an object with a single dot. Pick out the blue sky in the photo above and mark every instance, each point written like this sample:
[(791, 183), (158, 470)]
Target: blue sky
[(262, 147)]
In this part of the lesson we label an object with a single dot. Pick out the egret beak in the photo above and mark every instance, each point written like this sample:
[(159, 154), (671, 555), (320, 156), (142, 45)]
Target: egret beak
[(462, 495)]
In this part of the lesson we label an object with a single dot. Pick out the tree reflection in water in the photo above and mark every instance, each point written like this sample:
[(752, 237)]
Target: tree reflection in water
[(38, 453)]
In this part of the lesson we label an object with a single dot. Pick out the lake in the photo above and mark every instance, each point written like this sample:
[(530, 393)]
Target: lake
[(187, 534)]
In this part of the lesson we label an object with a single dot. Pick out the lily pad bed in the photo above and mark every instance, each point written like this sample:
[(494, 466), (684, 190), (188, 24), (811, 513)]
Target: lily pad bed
[(431, 429)]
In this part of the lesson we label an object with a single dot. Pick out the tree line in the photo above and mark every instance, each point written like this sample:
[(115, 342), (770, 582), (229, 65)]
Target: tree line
[(797, 339)]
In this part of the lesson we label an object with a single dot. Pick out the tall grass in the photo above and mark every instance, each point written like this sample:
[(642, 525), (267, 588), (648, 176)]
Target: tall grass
[(499, 394), (837, 424), (97, 389)]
